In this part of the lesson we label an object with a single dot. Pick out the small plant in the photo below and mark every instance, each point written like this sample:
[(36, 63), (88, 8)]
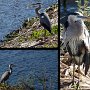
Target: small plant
[(55, 29), (21, 38), (12, 35), (36, 34), (83, 7)]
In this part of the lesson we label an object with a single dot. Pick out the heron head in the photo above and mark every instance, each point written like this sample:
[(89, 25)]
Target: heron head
[(77, 19), (11, 65), (37, 4)]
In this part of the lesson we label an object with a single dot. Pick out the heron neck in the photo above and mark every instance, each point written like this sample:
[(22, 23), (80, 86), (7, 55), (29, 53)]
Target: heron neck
[(37, 10), (10, 70)]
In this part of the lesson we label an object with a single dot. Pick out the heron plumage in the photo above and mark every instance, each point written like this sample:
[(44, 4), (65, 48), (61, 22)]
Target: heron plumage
[(77, 40), (45, 21), (6, 74), (44, 18)]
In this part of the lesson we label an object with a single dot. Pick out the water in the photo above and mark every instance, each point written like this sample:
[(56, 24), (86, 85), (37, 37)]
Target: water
[(14, 12), (31, 62), (70, 8)]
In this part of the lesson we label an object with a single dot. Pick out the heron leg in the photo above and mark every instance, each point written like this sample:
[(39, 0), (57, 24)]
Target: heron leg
[(45, 33), (78, 75), (73, 72), (3, 82), (78, 72)]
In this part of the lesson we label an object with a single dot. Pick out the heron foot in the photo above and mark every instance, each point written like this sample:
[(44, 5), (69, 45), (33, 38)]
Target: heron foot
[(80, 72)]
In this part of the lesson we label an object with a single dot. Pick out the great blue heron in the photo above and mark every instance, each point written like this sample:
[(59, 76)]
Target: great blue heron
[(6, 74), (44, 18), (77, 40)]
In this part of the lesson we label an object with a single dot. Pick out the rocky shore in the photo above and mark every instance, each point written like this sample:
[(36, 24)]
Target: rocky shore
[(30, 35)]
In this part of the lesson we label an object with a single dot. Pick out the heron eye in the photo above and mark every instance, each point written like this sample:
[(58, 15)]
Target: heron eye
[(75, 21)]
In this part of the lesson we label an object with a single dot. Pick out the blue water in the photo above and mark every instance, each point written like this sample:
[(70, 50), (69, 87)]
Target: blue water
[(71, 7), (31, 63), (14, 12)]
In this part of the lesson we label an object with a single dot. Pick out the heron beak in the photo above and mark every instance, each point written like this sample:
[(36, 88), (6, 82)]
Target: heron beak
[(13, 65), (85, 18), (35, 4)]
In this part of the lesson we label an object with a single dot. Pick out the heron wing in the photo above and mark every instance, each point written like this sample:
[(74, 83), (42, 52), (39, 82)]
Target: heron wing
[(86, 62), (87, 53), (45, 21), (5, 76), (78, 41), (87, 40)]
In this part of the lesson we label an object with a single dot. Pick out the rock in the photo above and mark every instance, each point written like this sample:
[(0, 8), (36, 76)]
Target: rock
[(66, 74)]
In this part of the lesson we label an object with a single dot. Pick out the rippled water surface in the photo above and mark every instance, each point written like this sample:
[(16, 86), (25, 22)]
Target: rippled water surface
[(14, 12), (31, 63)]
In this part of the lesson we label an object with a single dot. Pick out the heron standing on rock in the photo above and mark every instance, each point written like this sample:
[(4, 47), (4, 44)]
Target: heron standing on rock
[(44, 18), (6, 74), (76, 39)]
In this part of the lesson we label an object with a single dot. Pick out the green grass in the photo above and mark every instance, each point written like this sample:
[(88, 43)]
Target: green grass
[(40, 33), (51, 45), (34, 36), (55, 29), (37, 34)]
